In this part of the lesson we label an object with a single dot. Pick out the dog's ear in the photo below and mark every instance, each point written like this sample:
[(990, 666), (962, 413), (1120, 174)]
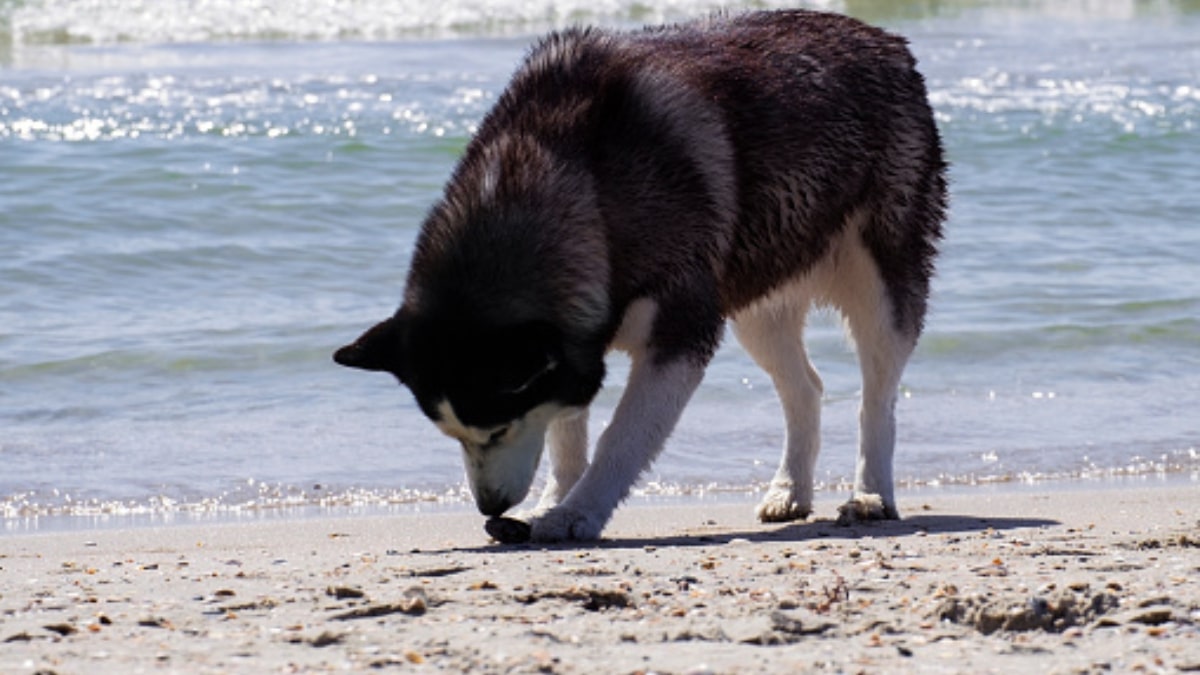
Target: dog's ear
[(378, 349)]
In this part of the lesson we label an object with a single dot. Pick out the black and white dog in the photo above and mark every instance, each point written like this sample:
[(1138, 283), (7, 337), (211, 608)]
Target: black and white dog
[(634, 190)]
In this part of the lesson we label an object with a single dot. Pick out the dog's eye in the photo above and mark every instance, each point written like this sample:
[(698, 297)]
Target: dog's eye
[(549, 366)]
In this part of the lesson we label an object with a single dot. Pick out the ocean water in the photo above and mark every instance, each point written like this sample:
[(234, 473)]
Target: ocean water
[(200, 201)]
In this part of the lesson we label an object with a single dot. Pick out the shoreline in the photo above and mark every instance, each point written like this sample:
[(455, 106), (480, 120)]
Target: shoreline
[(1057, 580), (187, 515)]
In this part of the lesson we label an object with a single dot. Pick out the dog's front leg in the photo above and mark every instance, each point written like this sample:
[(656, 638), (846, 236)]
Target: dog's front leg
[(568, 445), (654, 399)]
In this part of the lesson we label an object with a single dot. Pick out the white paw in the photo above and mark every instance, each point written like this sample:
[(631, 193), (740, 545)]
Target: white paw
[(544, 505), (530, 515), (782, 505), (864, 508), (563, 523)]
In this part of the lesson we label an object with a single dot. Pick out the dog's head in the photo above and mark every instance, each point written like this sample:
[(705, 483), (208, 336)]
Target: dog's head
[(494, 389)]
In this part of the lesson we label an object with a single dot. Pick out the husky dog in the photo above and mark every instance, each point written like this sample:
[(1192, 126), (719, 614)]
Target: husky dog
[(633, 191)]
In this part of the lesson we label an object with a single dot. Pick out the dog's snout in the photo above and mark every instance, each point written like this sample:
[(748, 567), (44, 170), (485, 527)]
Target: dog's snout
[(492, 504), (500, 473)]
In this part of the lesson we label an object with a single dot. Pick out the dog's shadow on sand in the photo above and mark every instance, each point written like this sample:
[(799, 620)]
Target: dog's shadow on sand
[(821, 529), (916, 525)]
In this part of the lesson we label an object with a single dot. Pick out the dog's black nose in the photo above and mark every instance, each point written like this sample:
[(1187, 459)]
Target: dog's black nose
[(492, 504)]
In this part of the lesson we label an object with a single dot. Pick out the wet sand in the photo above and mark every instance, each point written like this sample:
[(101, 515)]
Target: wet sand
[(1053, 579)]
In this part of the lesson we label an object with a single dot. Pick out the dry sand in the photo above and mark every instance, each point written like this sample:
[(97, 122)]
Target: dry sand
[(1060, 579)]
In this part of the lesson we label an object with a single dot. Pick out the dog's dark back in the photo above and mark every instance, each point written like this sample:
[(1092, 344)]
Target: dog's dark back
[(704, 164)]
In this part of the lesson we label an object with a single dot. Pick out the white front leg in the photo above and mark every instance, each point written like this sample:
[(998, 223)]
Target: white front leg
[(568, 446), (653, 401)]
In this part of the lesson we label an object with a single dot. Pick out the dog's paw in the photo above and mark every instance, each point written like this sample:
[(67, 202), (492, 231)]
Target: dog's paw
[(530, 515), (863, 508), (781, 505), (566, 524)]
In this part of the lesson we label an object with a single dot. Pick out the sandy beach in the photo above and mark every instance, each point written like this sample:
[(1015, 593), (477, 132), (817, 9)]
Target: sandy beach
[(1060, 578)]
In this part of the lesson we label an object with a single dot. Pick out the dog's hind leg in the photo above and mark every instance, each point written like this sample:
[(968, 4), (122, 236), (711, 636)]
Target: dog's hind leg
[(568, 446), (772, 332), (883, 350)]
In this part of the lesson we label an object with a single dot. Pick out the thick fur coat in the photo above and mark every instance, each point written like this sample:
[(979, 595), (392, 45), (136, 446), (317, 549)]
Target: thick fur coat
[(633, 191)]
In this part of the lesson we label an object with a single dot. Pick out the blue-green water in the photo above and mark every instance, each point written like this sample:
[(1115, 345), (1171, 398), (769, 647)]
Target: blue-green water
[(200, 201)]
